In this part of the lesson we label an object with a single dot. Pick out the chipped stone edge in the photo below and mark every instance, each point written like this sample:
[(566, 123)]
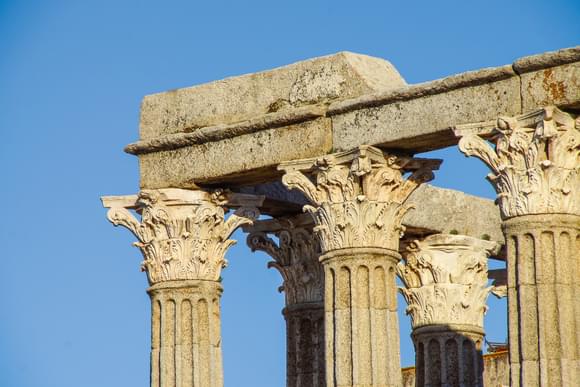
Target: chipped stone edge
[(220, 132), (178, 196), (548, 59), (467, 79), (311, 112)]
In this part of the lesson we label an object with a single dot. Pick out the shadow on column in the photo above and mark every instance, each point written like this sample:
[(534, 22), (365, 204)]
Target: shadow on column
[(448, 356)]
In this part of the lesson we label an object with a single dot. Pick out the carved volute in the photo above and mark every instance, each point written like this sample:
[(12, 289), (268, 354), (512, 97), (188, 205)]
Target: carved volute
[(535, 162), (358, 197), (182, 234)]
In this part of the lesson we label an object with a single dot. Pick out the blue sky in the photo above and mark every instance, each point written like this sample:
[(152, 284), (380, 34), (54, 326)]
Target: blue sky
[(73, 307)]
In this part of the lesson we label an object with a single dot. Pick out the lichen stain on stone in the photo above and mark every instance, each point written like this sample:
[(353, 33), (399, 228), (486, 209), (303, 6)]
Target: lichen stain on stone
[(278, 105), (555, 89)]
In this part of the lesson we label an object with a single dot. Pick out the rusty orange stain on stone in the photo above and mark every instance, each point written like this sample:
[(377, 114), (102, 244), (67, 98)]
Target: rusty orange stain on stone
[(555, 89)]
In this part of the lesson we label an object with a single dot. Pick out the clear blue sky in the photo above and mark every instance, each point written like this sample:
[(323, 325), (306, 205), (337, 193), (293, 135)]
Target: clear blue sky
[(73, 307)]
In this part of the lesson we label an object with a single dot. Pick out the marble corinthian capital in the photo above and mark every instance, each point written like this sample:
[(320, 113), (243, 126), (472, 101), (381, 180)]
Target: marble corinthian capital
[(445, 278), (295, 255), (535, 161), (357, 198), (182, 234)]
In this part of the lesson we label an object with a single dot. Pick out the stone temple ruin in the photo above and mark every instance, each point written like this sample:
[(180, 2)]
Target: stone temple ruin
[(325, 148)]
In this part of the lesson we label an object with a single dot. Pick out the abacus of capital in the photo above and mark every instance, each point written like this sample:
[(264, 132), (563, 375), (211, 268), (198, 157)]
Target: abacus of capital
[(326, 148)]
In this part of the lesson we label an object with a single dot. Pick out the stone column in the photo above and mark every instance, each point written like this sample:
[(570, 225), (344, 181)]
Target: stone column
[(296, 258), (183, 237), (445, 278), (357, 200), (536, 172)]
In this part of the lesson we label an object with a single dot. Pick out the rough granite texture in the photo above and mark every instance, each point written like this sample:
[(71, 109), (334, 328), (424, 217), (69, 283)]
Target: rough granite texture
[(423, 123), (209, 133), (543, 268), (238, 156), (339, 76), (448, 211), (495, 371), (235, 132), (461, 213), (552, 86)]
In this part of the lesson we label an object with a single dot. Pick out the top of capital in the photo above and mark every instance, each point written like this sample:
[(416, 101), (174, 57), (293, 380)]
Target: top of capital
[(177, 196), (362, 158)]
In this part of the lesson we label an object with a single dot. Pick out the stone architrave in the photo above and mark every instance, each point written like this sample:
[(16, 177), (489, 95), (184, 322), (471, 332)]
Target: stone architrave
[(296, 257), (535, 164), (183, 236), (357, 200), (445, 278)]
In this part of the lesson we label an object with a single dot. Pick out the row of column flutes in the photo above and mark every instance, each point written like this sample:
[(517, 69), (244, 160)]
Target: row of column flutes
[(357, 203), (360, 307), (185, 334)]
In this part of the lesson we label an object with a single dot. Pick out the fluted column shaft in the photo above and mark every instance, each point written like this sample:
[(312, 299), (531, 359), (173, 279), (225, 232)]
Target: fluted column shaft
[(544, 299), (357, 202), (535, 169), (305, 345), (362, 328), (183, 236), (185, 334), (445, 278), (295, 252), (448, 356)]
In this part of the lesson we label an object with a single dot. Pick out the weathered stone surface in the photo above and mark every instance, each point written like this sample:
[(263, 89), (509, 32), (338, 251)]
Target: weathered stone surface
[(543, 304), (357, 198), (448, 356), (461, 213), (305, 359), (535, 171), (361, 321), (419, 117), (445, 286), (295, 252), (182, 234), (248, 157), (224, 131), (213, 131), (495, 371), (186, 343), (324, 79), (547, 59), (552, 86), (445, 280), (534, 162)]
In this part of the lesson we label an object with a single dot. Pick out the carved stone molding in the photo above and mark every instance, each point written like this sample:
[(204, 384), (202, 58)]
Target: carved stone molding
[(182, 234), (295, 255), (535, 164), (445, 278), (499, 282), (357, 197)]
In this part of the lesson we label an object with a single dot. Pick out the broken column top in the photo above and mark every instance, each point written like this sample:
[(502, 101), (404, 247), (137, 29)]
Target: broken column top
[(320, 80)]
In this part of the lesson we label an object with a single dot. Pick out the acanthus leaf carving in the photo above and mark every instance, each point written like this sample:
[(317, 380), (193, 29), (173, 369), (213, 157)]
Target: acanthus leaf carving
[(535, 166), (181, 239), (357, 198), (445, 279), (295, 256)]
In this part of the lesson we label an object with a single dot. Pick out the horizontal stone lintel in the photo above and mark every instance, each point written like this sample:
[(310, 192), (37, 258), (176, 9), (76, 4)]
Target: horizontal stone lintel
[(356, 100)]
